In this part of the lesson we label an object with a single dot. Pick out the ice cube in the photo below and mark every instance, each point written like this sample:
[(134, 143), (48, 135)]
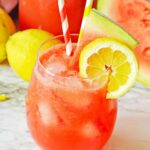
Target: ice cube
[(47, 114), (89, 130), (74, 82), (56, 64)]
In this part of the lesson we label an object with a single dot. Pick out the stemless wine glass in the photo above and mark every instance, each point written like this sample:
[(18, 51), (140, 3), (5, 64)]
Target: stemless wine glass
[(64, 110)]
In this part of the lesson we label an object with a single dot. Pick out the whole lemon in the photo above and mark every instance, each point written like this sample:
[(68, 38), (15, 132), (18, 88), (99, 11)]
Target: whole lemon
[(22, 48), (7, 27), (2, 52), (7, 22)]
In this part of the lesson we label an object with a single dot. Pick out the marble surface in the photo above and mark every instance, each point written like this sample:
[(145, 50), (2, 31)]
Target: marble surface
[(132, 130)]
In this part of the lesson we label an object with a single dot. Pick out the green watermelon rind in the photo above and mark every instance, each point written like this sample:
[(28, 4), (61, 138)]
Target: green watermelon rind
[(112, 29), (103, 6), (143, 78)]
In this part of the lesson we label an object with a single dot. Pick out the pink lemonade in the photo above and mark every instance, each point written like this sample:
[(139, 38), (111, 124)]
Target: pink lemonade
[(65, 111)]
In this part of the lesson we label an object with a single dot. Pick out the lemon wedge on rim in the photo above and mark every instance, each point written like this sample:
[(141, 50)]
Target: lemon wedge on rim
[(108, 59)]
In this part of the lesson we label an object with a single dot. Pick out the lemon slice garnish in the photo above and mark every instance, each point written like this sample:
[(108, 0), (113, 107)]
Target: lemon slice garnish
[(107, 59)]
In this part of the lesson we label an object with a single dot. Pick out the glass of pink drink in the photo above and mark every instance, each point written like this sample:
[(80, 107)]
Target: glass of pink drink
[(65, 111)]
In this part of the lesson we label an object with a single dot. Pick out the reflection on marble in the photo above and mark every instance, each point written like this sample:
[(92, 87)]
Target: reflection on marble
[(132, 131)]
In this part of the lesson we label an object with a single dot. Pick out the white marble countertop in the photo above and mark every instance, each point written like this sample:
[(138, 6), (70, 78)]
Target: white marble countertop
[(132, 130)]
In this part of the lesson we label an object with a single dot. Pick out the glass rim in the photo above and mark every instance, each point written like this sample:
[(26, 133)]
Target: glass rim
[(38, 54), (52, 74)]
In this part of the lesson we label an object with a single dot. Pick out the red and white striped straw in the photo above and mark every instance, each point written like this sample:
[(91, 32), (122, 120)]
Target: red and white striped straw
[(65, 26)]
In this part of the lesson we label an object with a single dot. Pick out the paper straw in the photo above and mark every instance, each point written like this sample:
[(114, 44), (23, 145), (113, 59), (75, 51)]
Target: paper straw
[(75, 58), (87, 9), (65, 26)]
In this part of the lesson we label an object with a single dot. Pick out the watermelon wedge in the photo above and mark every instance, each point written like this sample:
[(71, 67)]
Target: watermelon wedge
[(133, 16), (97, 25)]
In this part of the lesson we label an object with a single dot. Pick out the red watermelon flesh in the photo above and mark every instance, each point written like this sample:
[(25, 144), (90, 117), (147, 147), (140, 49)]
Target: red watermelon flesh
[(134, 16)]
